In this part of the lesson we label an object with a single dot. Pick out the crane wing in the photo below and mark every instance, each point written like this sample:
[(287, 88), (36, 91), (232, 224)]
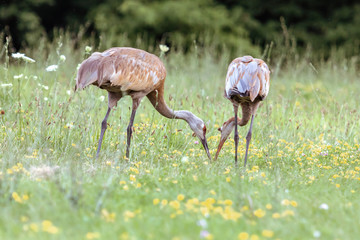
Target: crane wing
[(247, 77), (127, 68)]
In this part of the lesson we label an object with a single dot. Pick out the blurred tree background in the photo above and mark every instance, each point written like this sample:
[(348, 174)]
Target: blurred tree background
[(251, 26)]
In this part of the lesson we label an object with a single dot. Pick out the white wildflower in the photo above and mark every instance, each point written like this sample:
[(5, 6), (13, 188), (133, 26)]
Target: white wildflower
[(204, 234), (27, 59), (185, 159), (164, 48), (69, 125), (316, 234), (17, 55), (23, 57), (6, 85), (18, 76), (43, 172), (68, 92), (78, 67), (43, 86), (324, 206), (52, 68), (102, 98), (88, 49), (202, 223), (46, 99), (62, 58)]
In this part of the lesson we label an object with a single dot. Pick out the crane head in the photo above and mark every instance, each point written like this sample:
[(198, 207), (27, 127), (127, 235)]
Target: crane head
[(199, 129), (225, 130)]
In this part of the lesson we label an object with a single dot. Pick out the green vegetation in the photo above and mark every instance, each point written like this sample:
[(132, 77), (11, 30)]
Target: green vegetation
[(320, 25), (301, 182)]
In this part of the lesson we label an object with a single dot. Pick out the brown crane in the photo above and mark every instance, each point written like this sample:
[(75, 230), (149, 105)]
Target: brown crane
[(247, 84), (129, 71)]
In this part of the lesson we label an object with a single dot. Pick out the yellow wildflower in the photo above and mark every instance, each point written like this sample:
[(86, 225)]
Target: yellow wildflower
[(164, 202), (34, 227), (267, 233), (243, 236), (259, 213), (47, 226), (92, 235), (156, 201), (128, 214), (16, 197), (268, 206), (180, 197), (276, 215), (285, 202), (254, 237), (228, 202)]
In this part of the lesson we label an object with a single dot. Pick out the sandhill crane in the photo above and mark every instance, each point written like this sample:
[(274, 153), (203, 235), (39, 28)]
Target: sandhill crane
[(247, 84), (129, 71)]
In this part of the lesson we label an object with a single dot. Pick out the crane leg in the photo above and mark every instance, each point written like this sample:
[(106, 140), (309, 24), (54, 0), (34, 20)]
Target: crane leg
[(248, 138), (236, 134), (136, 103), (103, 128)]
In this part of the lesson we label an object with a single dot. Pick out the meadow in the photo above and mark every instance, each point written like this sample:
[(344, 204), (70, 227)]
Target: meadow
[(302, 179)]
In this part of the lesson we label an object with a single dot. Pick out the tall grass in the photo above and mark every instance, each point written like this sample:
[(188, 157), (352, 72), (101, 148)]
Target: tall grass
[(301, 182)]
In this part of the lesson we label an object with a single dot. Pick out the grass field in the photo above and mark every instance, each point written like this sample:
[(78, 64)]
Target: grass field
[(302, 179)]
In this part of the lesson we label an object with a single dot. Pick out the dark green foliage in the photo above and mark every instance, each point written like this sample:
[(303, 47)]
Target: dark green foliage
[(173, 22), (236, 25)]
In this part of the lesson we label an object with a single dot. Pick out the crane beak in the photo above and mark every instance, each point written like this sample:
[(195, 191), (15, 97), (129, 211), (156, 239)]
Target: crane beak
[(222, 141), (204, 143)]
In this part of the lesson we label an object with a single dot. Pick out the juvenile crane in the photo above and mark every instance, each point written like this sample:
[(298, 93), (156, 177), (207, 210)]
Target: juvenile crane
[(247, 84), (129, 71)]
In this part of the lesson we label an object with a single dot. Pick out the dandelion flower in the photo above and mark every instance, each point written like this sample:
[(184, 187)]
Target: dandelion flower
[(276, 215), (259, 213), (47, 226), (267, 233), (268, 206), (285, 202), (180, 197), (254, 237), (243, 236), (92, 235), (16, 197), (293, 203)]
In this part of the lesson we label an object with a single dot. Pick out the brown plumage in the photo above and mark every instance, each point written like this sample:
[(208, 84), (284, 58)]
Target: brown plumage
[(247, 84), (129, 71)]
